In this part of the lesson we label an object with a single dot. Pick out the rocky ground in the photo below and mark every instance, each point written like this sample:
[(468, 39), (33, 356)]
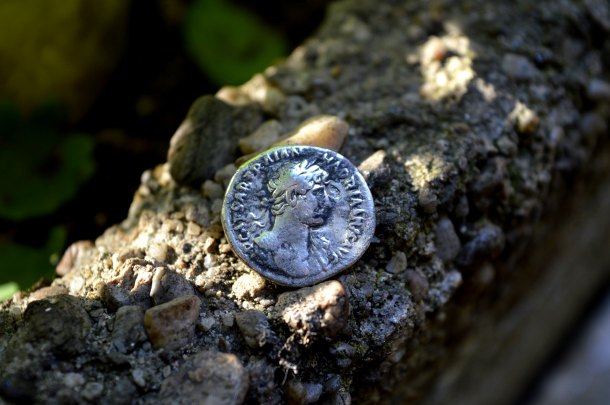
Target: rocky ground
[(469, 121)]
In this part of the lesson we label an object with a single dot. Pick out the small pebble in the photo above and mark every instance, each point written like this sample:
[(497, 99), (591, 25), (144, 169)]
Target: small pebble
[(519, 67), (598, 90), (398, 263), (262, 138), (248, 285), (254, 327), (303, 393), (92, 391), (225, 174), (193, 229), (137, 375), (128, 329), (321, 310), (206, 324), (447, 241), (172, 325), (227, 319), (73, 380), (207, 378), (224, 248), (75, 253), (212, 190)]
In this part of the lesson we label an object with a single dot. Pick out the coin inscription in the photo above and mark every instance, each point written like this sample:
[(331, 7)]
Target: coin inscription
[(298, 214)]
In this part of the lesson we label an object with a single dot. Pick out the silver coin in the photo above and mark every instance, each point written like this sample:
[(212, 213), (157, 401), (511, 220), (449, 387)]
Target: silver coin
[(298, 214)]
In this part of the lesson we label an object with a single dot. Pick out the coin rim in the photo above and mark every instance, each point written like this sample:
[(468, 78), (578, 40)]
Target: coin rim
[(306, 280)]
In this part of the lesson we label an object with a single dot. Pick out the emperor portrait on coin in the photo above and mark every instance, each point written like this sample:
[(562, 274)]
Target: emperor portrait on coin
[(298, 214)]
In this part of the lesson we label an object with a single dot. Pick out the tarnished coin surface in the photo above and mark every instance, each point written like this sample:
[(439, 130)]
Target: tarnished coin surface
[(298, 214)]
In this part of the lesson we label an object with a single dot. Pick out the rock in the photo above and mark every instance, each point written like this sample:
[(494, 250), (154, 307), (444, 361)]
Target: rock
[(159, 251), (58, 324), (598, 90), (75, 254), (212, 190), (299, 393), (488, 243), (73, 380), (224, 175), (254, 327), (92, 390), (114, 296), (325, 131), (172, 325), (262, 138), (168, 285), (128, 329), (527, 121), (447, 242), (206, 378), (121, 393), (248, 285), (374, 169), (321, 310), (46, 292), (137, 375), (600, 12), (206, 140), (418, 284), (398, 263), (428, 201), (519, 67)]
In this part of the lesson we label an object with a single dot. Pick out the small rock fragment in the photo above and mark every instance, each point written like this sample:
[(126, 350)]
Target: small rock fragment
[(254, 327), (600, 12), (207, 378), (598, 90), (168, 285), (128, 329), (488, 243), (206, 140), (519, 67), (321, 310), (447, 242), (58, 324), (418, 284), (326, 131), (75, 253), (137, 375), (248, 285), (428, 201), (114, 296), (212, 190), (262, 138), (224, 175), (73, 380), (398, 263), (92, 390), (46, 292), (172, 325), (303, 393), (159, 251)]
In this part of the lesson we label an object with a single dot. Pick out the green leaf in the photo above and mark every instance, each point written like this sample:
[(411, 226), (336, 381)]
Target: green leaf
[(229, 43)]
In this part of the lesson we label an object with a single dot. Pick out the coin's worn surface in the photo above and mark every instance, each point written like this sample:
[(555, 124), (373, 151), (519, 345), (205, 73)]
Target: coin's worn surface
[(298, 214)]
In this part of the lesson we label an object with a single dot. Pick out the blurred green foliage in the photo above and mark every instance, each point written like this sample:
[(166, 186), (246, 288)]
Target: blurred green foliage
[(21, 266), (41, 170), (229, 43)]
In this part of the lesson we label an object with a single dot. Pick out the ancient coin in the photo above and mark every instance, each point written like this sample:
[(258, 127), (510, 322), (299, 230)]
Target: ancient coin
[(298, 214)]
